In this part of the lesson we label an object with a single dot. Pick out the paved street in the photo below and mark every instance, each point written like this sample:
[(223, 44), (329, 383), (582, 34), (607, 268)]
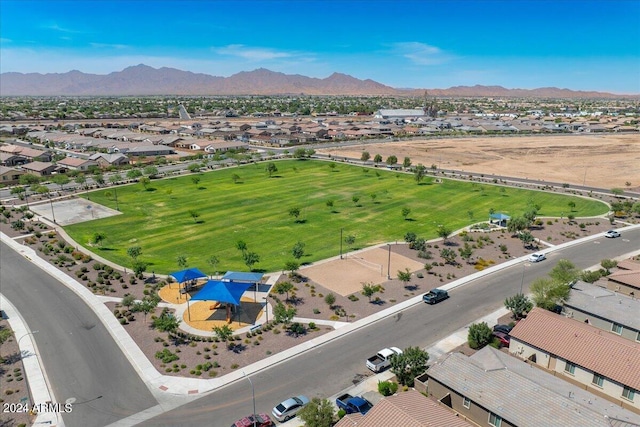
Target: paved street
[(80, 358)]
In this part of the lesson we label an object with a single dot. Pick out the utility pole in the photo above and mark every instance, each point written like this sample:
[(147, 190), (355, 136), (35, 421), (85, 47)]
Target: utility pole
[(341, 243)]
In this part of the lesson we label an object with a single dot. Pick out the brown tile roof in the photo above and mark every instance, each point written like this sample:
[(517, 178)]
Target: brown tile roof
[(406, 409), (599, 351), (626, 277), (628, 264)]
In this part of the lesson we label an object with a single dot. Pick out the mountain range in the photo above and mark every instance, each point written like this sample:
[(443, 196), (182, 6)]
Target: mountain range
[(144, 80)]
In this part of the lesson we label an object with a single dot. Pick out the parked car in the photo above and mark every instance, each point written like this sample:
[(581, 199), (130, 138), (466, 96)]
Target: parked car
[(261, 420), (504, 339), (353, 405), (505, 329), (612, 234), (435, 296), (537, 257), (289, 408), (382, 359)]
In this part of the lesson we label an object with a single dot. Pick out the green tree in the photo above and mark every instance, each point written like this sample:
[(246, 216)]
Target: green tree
[(517, 224), (213, 261), (298, 250), (150, 171), (145, 181), (241, 246), (271, 168), (98, 238), (146, 306), (196, 179), (134, 174), (404, 276), (98, 178), (283, 288), (466, 252), (330, 204), (519, 305), (235, 178), (373, 197), (444, 232), (250, 259), (409, 365), (128, 300), (564, 272), (369, 290), (350, 240), (115, 178), (527, 238), (480, 334), (365, 156), (31, 179), (194, 214), (449, 255), (572, 205), (181, 260), (134, 252), (61, 180), (330, 299), (405, 212), (166, 322), (547, 293), (81, 180), (318, 413), (406, 162), (292, 267), (283, 314), (617, 192), (419, 173), (608, 264), (377, 159), (139, 267), (294, 212), (355, 199), (590, 276), (392, 160), (223, 332)]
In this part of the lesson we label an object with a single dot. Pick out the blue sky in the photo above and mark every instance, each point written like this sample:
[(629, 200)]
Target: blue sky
[(580, 45)]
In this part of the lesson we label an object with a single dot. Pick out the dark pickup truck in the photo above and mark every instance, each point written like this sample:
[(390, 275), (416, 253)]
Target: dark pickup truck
[(435, 296)]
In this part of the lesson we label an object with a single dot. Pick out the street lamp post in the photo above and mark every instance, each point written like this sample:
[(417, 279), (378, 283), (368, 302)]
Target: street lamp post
[(266, 307), (341, 243), (253, 397), (115, 191), (53, 215), (389, 262)]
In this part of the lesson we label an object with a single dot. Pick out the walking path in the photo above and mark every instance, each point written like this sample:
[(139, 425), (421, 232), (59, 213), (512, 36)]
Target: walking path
[(162, 385)]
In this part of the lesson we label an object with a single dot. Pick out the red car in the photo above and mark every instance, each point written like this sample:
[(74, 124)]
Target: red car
[(504, 339), (262, 420)]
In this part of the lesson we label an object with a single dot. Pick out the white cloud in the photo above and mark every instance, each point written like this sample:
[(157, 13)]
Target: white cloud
[(421, 53), (108, 46), (56, 27), (255, 54)]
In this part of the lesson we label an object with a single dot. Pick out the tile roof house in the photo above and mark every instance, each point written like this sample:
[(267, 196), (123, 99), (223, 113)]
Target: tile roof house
[(600, 361), (10, 176), (626, 282), (492, 388), (408, 409), (604, 309), (40, 168), (74, 163)]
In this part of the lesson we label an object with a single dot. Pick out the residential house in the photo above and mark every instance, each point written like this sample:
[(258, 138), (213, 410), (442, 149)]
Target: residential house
[(602, 362), (74, 163), (40, 168), (150, 150), (30, 153), (604, 309), (104, 160), (491, 388), (11, 159), (10, 176), (407, 409), (224, 146), (626, 280)]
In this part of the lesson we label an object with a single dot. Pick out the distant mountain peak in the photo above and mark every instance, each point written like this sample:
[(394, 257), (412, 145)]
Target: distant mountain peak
[(143, 80)]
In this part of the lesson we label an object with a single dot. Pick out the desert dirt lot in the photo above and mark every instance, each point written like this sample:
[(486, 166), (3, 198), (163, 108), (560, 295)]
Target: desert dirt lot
[(605, 161)]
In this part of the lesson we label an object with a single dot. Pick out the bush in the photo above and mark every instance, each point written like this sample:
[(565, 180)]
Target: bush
[(387, 388), (480, 334), (166, 356)]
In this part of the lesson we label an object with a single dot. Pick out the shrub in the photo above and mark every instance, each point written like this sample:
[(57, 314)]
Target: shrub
[(166, 356), (387, 388)]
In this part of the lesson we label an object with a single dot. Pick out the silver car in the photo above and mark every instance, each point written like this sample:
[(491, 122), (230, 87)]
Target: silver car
[(289, 408)]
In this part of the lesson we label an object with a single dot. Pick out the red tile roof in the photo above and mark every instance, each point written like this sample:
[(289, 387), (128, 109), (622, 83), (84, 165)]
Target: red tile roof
[(599, 351), (626, 277)]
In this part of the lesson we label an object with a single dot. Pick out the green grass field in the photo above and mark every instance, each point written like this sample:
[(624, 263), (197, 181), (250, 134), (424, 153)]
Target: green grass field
[(256, 210)]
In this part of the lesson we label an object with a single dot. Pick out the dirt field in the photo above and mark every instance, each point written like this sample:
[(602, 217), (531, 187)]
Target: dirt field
[(605, 161)]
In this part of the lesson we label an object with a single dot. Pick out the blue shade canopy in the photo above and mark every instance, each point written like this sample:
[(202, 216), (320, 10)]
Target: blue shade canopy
[(237, 276), (188, 274), (215, 290)]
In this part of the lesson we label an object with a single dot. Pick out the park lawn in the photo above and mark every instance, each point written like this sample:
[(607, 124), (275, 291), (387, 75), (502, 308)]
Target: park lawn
[(255, 209)]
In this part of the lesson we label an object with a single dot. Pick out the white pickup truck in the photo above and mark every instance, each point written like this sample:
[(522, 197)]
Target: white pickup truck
[(382, 359)]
